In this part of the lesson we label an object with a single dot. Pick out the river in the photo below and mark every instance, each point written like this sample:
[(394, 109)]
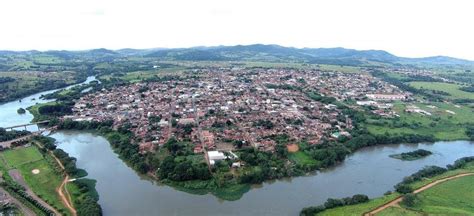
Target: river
[(122, 192), (8, 111), (369, 171)]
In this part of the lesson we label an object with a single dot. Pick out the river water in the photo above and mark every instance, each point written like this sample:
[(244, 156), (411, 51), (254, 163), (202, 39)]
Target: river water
[(122, 192), (8, 111)]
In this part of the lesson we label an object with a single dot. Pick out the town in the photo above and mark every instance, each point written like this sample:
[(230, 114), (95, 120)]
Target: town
[(227, 108)]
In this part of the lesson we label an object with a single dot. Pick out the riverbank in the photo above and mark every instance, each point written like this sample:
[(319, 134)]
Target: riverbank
[(378, 204), (280, 197)]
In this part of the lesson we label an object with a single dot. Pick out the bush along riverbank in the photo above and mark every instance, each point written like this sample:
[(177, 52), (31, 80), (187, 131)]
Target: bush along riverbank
[(403, 189), (175, 163), (413, 155), (84, 195)]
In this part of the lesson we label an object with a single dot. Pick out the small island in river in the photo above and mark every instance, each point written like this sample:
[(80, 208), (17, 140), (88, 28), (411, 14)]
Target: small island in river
[(413, 155)]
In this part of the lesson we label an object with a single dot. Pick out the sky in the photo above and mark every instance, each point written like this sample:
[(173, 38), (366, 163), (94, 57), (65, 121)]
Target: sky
[(408, 28)]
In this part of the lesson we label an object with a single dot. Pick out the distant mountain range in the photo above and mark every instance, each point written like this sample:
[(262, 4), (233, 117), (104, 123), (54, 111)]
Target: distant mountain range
[(256, 52)]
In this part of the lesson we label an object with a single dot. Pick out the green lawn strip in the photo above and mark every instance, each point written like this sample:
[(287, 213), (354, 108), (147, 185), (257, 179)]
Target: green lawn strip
[(302, 158), (20, 156), (395, 210), (359, 209)]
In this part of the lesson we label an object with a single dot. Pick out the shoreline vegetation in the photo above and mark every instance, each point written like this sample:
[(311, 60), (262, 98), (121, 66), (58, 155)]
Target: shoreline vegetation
[(176, 165), (413, 155), (45, 182), (403, 189), (216, 183)]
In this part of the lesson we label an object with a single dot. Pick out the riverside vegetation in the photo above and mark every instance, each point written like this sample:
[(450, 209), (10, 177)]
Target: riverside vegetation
[(426, 202), (413, 155)]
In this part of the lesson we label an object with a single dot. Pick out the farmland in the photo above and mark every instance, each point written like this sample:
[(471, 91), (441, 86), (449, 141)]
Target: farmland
[(442, 124), (21, 84), (450, 88)]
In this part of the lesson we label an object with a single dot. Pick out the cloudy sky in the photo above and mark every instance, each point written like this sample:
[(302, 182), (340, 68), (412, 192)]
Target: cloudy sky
[(411, 28)]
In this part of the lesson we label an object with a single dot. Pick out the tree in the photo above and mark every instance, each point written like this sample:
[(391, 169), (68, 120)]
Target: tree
[(409, 200)]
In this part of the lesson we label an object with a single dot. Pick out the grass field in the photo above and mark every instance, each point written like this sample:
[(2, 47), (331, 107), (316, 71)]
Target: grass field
[(302, 158), (44, 183), (446, 199), (16, 157), (466, 185), (357, 210), (452, 89), (442, 124), (442, 199)]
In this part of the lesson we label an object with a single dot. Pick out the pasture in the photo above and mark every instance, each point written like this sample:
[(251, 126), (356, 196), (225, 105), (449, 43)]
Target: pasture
[(16, 157), (450, 88)]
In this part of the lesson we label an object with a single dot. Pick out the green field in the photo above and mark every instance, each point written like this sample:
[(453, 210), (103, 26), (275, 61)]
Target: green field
[(357, 210), (452, 89), (465, 185), (302, 158), (27, 83), (441, 124), (44, 183), (443, 199), (16, 157)]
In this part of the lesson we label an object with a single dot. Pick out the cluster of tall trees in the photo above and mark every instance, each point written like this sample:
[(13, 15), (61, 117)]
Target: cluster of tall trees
[(183, 169), (19, 192), (68, 162), (87, 204), (10, 135), (59, 109), (333, 203), (429, 171)]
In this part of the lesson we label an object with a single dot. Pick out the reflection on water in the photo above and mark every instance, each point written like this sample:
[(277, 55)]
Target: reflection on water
[(369, 171)]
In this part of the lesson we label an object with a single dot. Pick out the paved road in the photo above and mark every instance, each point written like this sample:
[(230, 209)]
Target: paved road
[(399, 199), (16, 175), (25, 210)]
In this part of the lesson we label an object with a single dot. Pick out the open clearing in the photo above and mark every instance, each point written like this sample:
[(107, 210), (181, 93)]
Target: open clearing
[(38, 173), (442, 199), (293, 148), (452, 89), (442, 124), (17, 157), (302, 158)]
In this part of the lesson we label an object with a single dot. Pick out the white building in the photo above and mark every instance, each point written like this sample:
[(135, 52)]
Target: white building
[(215, 156)]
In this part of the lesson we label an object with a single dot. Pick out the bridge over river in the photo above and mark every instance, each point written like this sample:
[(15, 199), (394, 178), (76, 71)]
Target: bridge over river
[(8, 144)]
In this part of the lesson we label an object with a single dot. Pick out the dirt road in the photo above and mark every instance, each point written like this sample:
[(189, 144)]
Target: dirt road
[(25, 210), (66, 200), (399, 199), (16, 175)]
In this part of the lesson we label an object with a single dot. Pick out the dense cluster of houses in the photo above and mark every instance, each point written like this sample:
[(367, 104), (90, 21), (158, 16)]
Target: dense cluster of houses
[(222, 109)]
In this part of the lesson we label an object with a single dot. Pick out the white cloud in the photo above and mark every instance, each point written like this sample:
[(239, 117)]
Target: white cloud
[(403, 27)]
